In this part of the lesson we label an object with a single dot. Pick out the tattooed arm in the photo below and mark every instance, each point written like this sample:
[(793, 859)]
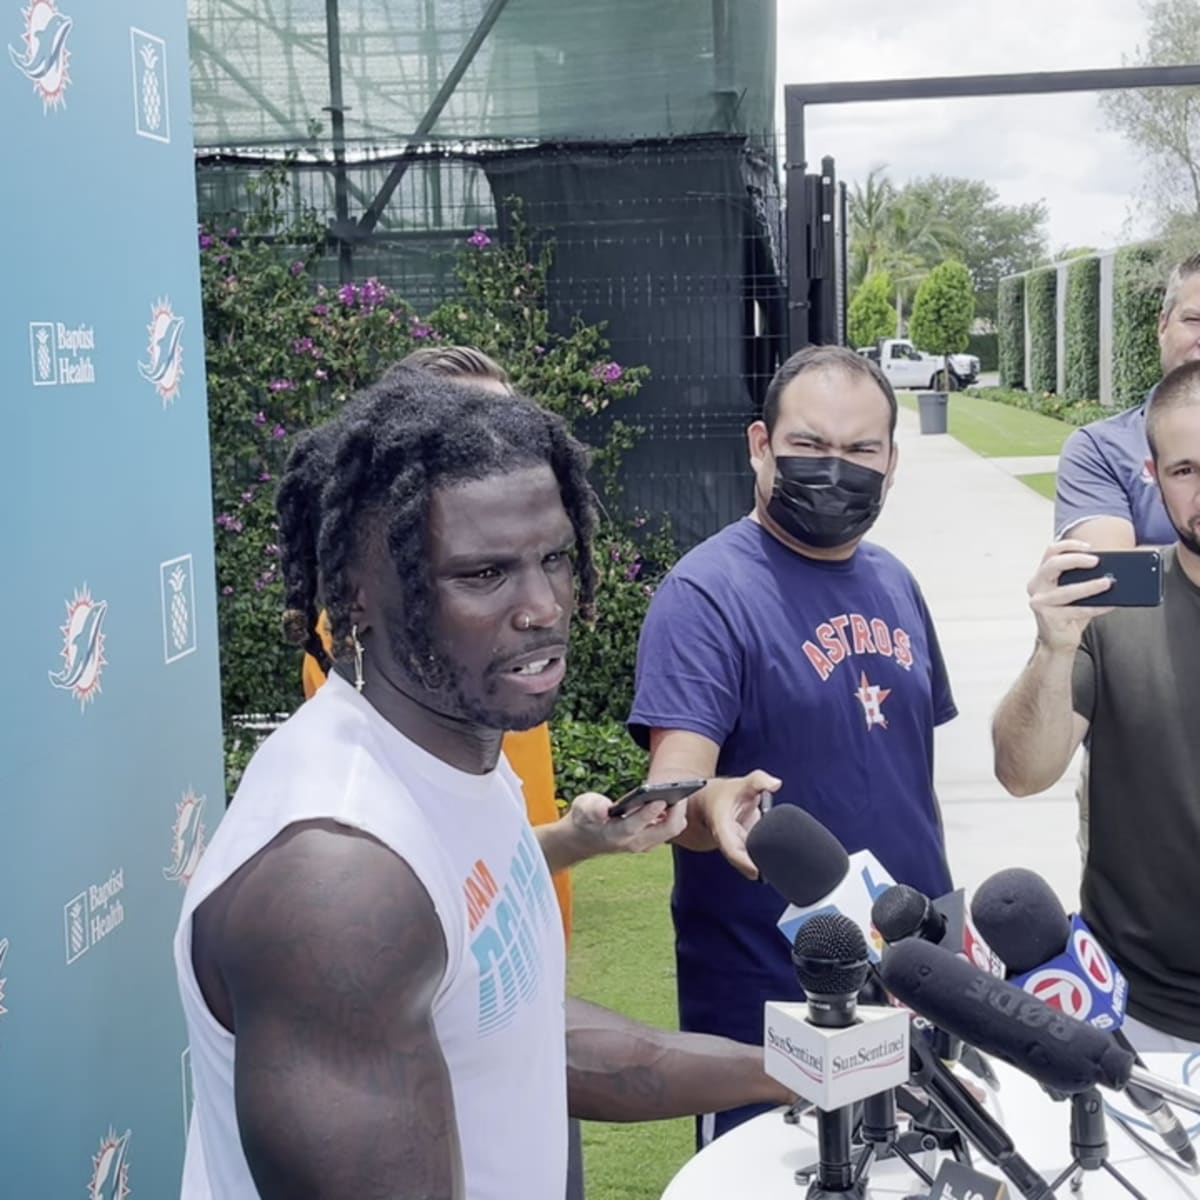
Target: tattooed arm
[(323, 955), (618, 1070)]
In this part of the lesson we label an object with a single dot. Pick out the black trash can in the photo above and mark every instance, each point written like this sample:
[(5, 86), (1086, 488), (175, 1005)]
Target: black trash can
[(933, 407)]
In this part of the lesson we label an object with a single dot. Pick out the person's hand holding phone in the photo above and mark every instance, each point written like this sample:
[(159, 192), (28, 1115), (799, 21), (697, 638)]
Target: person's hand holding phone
[(641, 829), (1060, 619)]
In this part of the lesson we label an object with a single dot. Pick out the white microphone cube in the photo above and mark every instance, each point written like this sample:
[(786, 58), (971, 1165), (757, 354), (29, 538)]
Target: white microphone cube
[(835, 1067)]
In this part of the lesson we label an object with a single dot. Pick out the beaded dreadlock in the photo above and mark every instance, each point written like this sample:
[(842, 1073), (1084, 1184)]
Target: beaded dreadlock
[(373, 467)]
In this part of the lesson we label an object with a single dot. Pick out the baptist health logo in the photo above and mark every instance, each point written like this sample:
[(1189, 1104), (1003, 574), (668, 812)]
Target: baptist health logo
[(93, 915), (164, 353), (151, 107), (44, 57), (176, 578), (188, 839), (61, 354), (110, 1168), (83, 648)]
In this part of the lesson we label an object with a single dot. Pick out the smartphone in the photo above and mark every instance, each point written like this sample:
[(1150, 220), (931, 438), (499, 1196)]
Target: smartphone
[(647, 793), (1137, 579)]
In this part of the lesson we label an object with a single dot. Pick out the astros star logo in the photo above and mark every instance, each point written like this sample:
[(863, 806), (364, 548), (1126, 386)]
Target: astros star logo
[(871, 696)]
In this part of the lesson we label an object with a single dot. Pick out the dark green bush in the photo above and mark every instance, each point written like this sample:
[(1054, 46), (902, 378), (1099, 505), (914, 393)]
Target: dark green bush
[(1082, 332), (1041, 289), (1072, 412), (1137, 299), (1010, 331), (595, 757), (985, 347)]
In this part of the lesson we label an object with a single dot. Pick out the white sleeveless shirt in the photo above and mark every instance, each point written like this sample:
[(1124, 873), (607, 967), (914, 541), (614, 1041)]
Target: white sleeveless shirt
[(499, 1012)]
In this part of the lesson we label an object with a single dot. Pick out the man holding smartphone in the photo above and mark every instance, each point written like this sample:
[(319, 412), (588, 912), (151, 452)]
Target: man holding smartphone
[(1119, 681)]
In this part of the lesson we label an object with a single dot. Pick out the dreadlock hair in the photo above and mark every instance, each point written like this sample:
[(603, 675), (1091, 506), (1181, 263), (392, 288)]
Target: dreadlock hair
[(369, 472)]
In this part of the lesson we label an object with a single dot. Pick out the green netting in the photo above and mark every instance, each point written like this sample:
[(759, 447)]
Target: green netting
[(600, 69)]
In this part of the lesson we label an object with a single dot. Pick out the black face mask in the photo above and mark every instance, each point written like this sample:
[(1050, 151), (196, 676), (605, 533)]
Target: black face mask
[(824, 502)]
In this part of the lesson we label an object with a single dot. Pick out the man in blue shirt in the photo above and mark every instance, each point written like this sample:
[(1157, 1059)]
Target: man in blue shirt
[(1106, 495), (784, 643)]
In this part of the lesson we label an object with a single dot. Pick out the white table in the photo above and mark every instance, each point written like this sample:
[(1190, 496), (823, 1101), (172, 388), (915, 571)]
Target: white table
[(758, 1159)]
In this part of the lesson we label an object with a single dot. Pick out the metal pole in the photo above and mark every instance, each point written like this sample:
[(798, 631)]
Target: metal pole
[(337, 112), (797, 225)]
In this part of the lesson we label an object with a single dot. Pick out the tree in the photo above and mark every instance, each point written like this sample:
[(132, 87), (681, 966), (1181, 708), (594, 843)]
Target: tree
[(870, 207), (1164, 123), (944, 312), (871, 315)]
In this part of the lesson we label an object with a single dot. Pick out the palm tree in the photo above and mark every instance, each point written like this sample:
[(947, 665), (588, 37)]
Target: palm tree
[(869, 217)]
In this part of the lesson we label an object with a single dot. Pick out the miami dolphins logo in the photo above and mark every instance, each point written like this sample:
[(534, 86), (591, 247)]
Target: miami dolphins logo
[(188, 840), (45, 57), (165, 368), (110, 1169), (3, 981), (83, 648)]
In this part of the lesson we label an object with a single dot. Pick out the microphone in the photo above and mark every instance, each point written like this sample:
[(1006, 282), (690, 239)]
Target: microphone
[(1000, 1019), (1059, 960), (811, 870), (828, 1051)]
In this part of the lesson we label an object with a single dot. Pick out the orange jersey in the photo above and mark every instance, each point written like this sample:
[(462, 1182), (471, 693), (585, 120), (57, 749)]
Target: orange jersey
[(528, 753)]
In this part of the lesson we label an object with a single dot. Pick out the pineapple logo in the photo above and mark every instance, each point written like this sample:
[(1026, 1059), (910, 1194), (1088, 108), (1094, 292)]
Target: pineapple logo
[(110, 1168), (83, 648), (3, 981), (187, 840), (179, 608), (165, 352), (151, 113), (45, 57)]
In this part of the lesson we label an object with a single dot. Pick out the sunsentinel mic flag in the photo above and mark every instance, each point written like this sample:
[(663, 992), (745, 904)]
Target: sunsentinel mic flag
[(110, 743)]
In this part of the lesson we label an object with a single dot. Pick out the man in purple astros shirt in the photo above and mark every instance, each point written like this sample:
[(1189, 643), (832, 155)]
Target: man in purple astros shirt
[(785, 643)]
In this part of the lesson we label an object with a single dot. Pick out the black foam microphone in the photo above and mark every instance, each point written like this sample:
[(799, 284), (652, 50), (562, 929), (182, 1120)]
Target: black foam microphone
[(903, 912), (1000, 1019), (831, 961), (1020, 915), (797, 855)]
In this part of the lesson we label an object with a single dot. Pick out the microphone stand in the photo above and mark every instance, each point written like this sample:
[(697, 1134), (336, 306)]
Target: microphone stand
[(1089, 1144)]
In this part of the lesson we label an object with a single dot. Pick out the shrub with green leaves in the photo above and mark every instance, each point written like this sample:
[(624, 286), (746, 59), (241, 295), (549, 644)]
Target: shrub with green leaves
[(1072, 412), (1041, 291), (595, 756), (944, 310), (283, 354), (1010, 329), (1082, 330), (1137, 300), (871, 315)]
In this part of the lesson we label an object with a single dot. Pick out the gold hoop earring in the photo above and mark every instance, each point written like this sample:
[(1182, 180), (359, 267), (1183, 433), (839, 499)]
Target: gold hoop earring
[(358, 659)]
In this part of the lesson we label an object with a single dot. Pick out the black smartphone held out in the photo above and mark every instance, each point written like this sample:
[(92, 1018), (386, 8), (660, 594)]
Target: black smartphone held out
[(647, 793), (1137, 579)]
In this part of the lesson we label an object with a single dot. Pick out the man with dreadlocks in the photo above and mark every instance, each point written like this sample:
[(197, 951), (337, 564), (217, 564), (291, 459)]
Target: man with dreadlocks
[(369, 957)]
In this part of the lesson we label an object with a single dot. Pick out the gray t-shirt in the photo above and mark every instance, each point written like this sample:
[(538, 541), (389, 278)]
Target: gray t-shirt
[(1134, 681), (1102, 473)]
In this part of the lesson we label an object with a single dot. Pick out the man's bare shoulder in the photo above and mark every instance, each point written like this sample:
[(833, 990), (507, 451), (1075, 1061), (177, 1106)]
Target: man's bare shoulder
[(320, 897)]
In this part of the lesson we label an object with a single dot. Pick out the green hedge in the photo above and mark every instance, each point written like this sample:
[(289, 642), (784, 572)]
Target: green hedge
[(1137, 299), (1010, 331), (1042, 296), (595, 757), (985, 347), (1071, 412), (1082, 333)]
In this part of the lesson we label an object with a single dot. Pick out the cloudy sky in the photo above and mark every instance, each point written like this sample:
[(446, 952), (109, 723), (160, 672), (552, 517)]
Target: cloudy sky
[(1038, 147)]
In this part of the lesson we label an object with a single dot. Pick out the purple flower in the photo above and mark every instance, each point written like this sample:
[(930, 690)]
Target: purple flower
[(539, 350), (222, 259), (233, 233), (479, 240), (260, 418), (207, 241), (321, 310), (227, 590), (271, 551), (633, 571), (373, 294), (302, 345), (247, 497), (421, 331), (608, 372), (265, 477), (224, 520), (321, 374), (231, 280), (615, 553), (297, 268), (348, 295), (282, 385), (279, 433), (259, 585)]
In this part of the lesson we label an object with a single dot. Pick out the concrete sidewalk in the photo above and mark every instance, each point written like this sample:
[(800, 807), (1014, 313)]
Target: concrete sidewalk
[(973, 535)]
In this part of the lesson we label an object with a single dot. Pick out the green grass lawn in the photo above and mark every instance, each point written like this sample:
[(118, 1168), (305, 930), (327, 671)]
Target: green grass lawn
[(1001, 431), (622, 956)]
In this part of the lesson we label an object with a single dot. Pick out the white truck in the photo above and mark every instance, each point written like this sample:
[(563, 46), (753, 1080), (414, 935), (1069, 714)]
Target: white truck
[(906, 367)]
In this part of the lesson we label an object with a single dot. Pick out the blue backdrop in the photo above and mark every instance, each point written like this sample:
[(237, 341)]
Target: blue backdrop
[(111, 750)]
